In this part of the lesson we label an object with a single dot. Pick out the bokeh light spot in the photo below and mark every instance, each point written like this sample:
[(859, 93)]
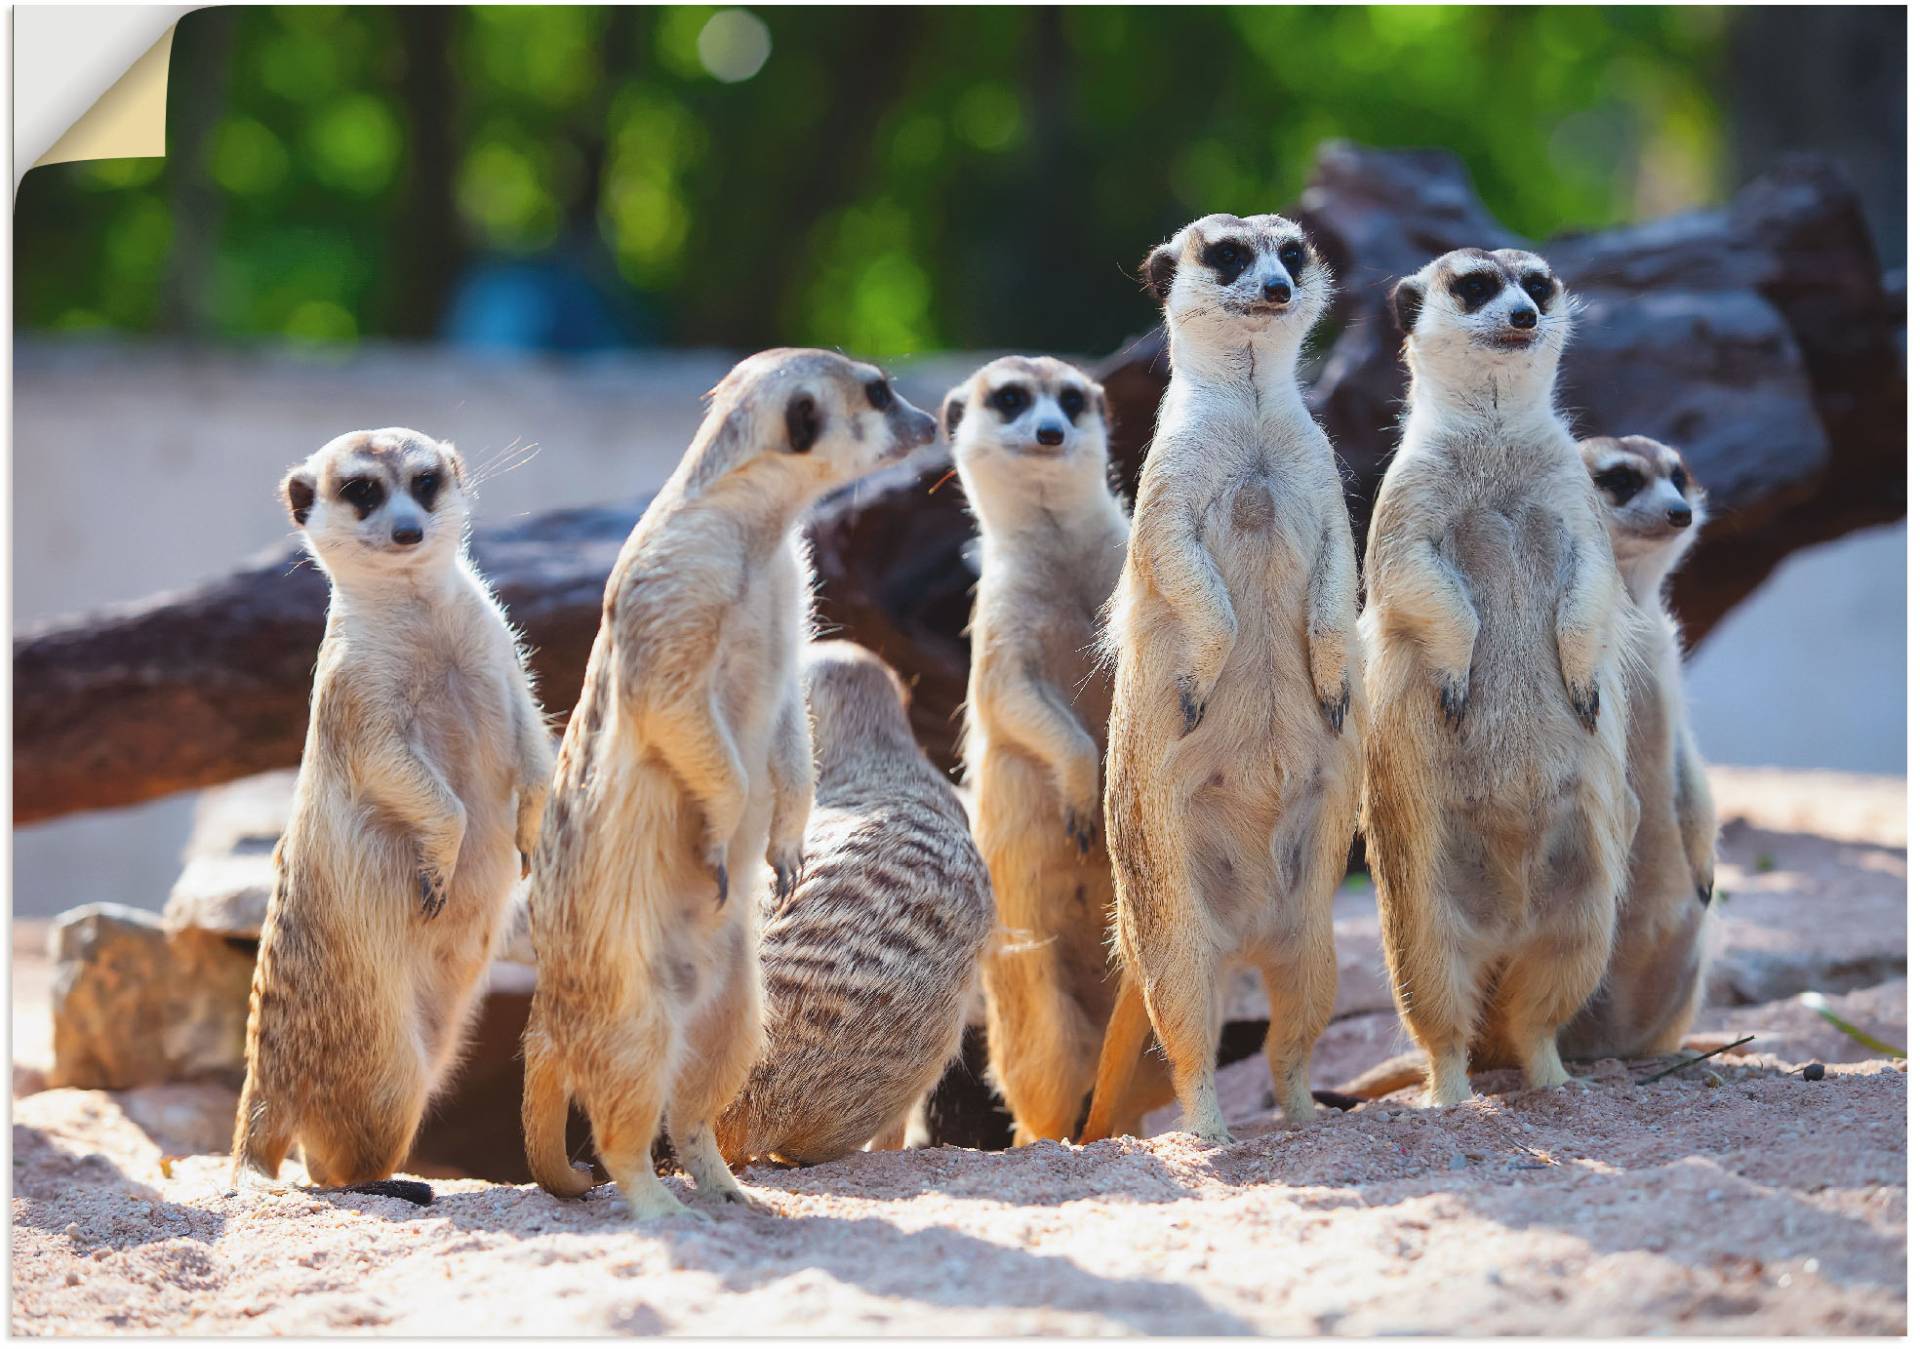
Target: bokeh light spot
[(734, 45)]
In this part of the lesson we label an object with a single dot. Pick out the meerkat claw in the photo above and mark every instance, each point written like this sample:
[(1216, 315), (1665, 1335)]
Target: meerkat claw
[(1080, 831), (1191, 708), (433, 894), (1586, 705), (720, 883), (1453, 701), (1335, 709), (526, 865)]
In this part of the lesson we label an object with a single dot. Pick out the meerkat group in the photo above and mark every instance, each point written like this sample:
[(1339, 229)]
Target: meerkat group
[(760, 914)]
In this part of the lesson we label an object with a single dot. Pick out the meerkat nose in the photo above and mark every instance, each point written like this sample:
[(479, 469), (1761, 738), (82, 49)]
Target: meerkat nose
[(1680, 517), (1050, 433), (1523, 318), (407, 534), (1277, 291)]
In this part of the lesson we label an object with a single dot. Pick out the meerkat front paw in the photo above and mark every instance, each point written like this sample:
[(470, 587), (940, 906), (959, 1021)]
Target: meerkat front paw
[(1586, 704), (1453, 699), (789, 863), (433, 891), (1193, 705), (1336, 707), (1082, 826)]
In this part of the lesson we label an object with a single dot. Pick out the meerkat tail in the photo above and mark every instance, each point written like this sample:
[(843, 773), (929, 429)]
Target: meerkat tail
[(543, 1121), (1396, 1074), (1119, 1055)]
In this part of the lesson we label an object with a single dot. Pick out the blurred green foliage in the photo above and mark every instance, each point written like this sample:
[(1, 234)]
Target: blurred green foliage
[(887, 180)]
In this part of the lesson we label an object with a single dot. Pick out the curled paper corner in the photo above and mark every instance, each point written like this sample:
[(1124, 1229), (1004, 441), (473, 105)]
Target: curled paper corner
[(90, 82), (129, 121)]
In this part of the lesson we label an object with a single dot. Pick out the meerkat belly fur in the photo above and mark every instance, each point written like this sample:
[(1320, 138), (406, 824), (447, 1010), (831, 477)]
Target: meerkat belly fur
[(1497, 813), (425, 768), (1646, 1003), (1234, 747), (1029, 439), (871, 963), (687, 760)]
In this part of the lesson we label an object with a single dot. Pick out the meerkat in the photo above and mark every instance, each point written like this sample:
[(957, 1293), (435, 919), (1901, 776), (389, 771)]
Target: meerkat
[(870, 962), (1646, 1003), (1234, 746), (1029, 441), (1647, 999), (687, 760), (423, 780), (1497, 812)]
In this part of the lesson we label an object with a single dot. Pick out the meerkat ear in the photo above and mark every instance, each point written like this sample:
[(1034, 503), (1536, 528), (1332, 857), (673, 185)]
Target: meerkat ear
[(455, 463), (953, 410), (1406, 298), (803, 423), (1100, 406), (1158, 269), (296, 489)]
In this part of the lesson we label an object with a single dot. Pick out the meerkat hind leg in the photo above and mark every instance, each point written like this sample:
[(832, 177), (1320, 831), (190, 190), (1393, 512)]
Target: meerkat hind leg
[(720, 1053), (1299, 992), (1181, 1005)]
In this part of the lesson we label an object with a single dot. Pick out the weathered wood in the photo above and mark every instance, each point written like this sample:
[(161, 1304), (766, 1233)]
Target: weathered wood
[(1760, 338)]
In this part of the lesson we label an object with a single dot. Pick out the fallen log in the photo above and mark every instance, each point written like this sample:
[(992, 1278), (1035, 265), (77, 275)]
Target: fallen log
[(1760, 338)]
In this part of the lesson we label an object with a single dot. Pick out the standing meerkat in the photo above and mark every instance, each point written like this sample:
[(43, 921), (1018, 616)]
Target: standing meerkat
[(1497, 813), (686, 761), (425, 768), (870, 963), (1029, 439), (1234, 749), (1648, 997), (1645, 1005)]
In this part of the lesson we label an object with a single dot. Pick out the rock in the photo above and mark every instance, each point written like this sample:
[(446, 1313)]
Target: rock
[(1457, 1162), (135, 1004), (1813, 1072)]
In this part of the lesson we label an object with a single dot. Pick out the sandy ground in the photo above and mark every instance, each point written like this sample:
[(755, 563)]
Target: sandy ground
[(1736, 1196)]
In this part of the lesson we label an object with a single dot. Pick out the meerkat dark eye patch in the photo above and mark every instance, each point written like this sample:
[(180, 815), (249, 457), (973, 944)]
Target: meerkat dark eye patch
[(880, 394), (1228, 258), (803, 423), (363, 494), (1293, 256), (1473, 289), (426, 487), (1538, 286), (1679, 479), (1621, 484), (1010, 400), (1072, 402)]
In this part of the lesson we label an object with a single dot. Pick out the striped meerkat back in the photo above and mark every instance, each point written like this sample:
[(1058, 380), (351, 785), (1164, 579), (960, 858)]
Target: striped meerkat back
[(869, 966)]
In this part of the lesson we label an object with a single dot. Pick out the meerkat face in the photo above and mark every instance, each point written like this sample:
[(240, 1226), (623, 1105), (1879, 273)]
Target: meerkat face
[(815, 417), (1026, 414), (1655, 506), (391, 500), (1229, 277), (1472, 304)]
